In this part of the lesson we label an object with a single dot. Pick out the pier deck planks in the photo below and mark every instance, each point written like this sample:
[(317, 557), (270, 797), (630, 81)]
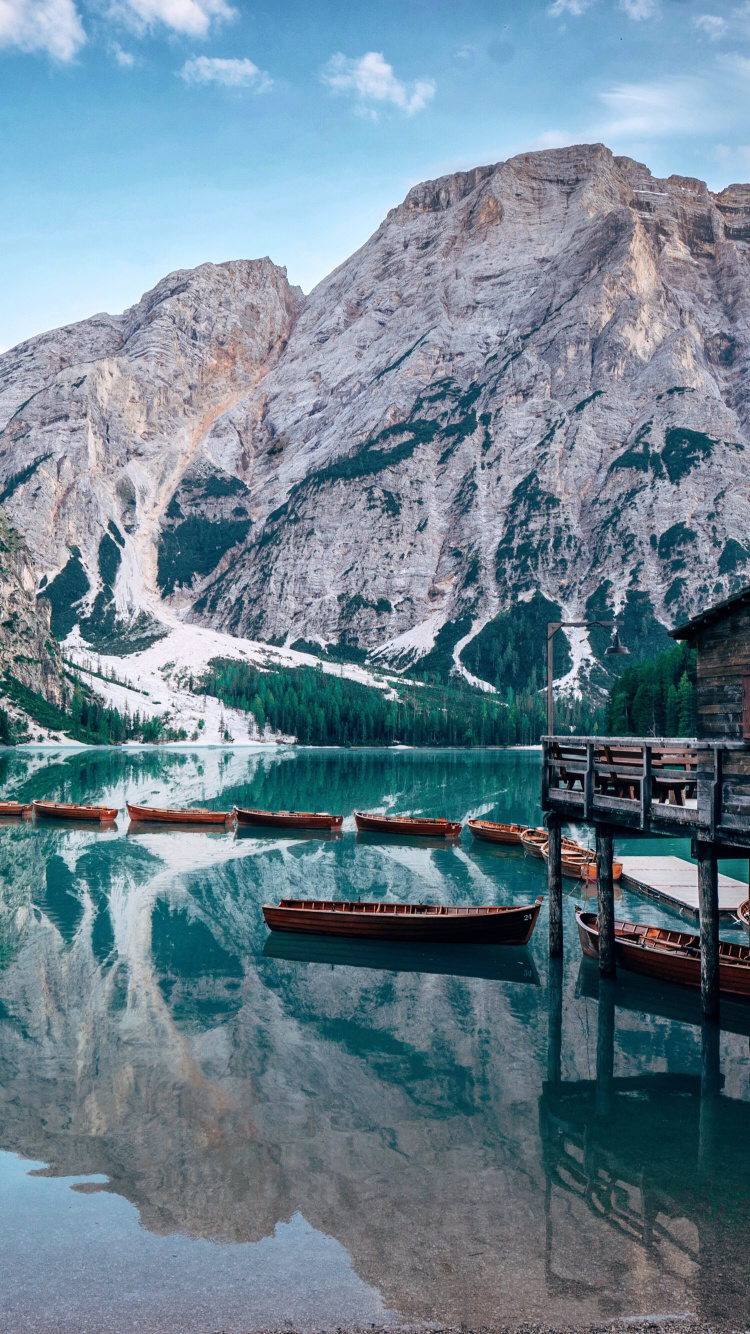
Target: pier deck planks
[(675, 881)]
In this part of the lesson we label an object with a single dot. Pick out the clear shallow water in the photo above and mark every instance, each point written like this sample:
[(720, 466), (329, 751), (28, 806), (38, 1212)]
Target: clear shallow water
[(204, 1126)]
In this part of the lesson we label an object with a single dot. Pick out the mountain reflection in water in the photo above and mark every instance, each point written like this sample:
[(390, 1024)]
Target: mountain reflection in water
[(469, 1145)]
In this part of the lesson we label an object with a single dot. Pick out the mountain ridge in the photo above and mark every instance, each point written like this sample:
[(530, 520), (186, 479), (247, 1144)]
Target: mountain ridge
[(530, 381)]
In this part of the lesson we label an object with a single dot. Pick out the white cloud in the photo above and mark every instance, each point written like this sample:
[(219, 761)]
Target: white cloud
[(371, 79), (736, 64), (553, 139), (574, 7), (673, 106), (711, 24), (53, 26), (639, 9), (193, 17), (124, 59), (229, 73)]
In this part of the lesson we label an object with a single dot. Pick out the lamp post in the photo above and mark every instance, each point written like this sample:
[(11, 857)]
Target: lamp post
[(615, 649)]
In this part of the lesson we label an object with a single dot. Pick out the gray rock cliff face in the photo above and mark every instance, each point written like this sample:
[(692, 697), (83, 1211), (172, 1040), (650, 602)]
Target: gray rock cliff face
[(533, 376), (27, 651)]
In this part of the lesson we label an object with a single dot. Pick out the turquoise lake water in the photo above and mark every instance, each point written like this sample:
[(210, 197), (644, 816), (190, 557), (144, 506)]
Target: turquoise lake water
[(204, 1126)]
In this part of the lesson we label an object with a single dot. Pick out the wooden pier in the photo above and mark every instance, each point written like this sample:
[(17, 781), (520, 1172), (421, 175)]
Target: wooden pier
[(697, 787), (673, 881)]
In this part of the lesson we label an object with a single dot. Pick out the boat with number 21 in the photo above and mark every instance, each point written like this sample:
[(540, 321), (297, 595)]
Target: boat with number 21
[(490, 925)]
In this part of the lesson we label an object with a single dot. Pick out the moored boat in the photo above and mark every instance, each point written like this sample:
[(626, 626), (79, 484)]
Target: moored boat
[(491, 925), (743, 912), (533, 841), (497, 833), (589, 870), (288, 819), (406, 824), (68, 810), (672, 956), (14, 808), (167, 815)]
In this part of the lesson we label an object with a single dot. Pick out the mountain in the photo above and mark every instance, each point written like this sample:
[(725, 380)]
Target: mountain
[(28, 652), (524, 396)]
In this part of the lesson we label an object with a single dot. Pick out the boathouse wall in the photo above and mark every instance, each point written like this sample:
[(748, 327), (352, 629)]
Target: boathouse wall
[(724, 677)]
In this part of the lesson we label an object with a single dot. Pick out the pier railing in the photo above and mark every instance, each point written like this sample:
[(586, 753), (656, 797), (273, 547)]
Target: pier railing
[(662, 783)]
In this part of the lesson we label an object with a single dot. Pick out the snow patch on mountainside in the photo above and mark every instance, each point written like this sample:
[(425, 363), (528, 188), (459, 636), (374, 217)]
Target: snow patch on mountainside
[(156, 682)]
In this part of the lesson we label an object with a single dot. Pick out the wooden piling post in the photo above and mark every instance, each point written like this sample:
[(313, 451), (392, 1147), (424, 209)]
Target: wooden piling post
[(708, 904), (554, 1021), (708, 1140), (605, 895), (554, 883), (605, 1047)]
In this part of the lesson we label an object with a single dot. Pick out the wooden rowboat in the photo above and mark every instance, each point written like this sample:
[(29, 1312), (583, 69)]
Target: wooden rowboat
[(68, 810), (743, 912), (15, 808), (533, 841), (589, 871), (405, 921), (289, 819), (497, 833), (406, 824), (160, 815), (672, 956)]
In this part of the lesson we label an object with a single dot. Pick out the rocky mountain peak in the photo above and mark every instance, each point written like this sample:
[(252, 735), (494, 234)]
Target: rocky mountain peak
[(529, 382)]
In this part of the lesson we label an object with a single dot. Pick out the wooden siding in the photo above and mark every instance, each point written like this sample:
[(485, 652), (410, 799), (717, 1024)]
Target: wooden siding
[(723, 653)]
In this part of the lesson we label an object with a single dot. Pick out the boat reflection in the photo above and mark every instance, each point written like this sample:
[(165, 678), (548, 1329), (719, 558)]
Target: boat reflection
[(48, 822), (664, 1000), (500, 963), (267, 832), (374, 840), (136, 827)]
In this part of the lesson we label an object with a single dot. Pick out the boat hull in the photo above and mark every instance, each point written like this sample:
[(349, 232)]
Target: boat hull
[(14, 809), (509, 834), (665, 962), (155, 815), (589, 871), (533, 842), (288, 819), (402, 921), (391, 824), (61, 810), (743, 912)]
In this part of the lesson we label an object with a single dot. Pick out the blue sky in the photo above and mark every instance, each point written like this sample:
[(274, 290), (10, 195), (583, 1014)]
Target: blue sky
[(140, 136)]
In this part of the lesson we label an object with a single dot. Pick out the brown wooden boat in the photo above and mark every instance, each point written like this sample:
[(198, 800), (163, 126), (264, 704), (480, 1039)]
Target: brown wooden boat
[(588, 871), (672, 956), (68, 810), (406, 824), (289, 819), (405, 921), (165, 815), (497, 833), (743, 912), (14, 808), (533, 841)]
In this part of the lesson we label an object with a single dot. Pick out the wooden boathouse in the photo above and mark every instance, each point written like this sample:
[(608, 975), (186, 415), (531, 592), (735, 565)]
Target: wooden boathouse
[(660, 785)]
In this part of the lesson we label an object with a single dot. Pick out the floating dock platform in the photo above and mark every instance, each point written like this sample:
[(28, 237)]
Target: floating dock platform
[(674, 881)]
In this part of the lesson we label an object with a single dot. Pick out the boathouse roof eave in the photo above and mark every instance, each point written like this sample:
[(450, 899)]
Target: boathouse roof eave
[(712, 614)]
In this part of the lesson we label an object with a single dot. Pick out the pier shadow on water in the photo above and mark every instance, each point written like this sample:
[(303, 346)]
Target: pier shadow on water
[(204, 1125)]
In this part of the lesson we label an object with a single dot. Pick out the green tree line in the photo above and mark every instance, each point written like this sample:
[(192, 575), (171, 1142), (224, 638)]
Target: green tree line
[(656, 698), (83, 717), (321, 709)]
